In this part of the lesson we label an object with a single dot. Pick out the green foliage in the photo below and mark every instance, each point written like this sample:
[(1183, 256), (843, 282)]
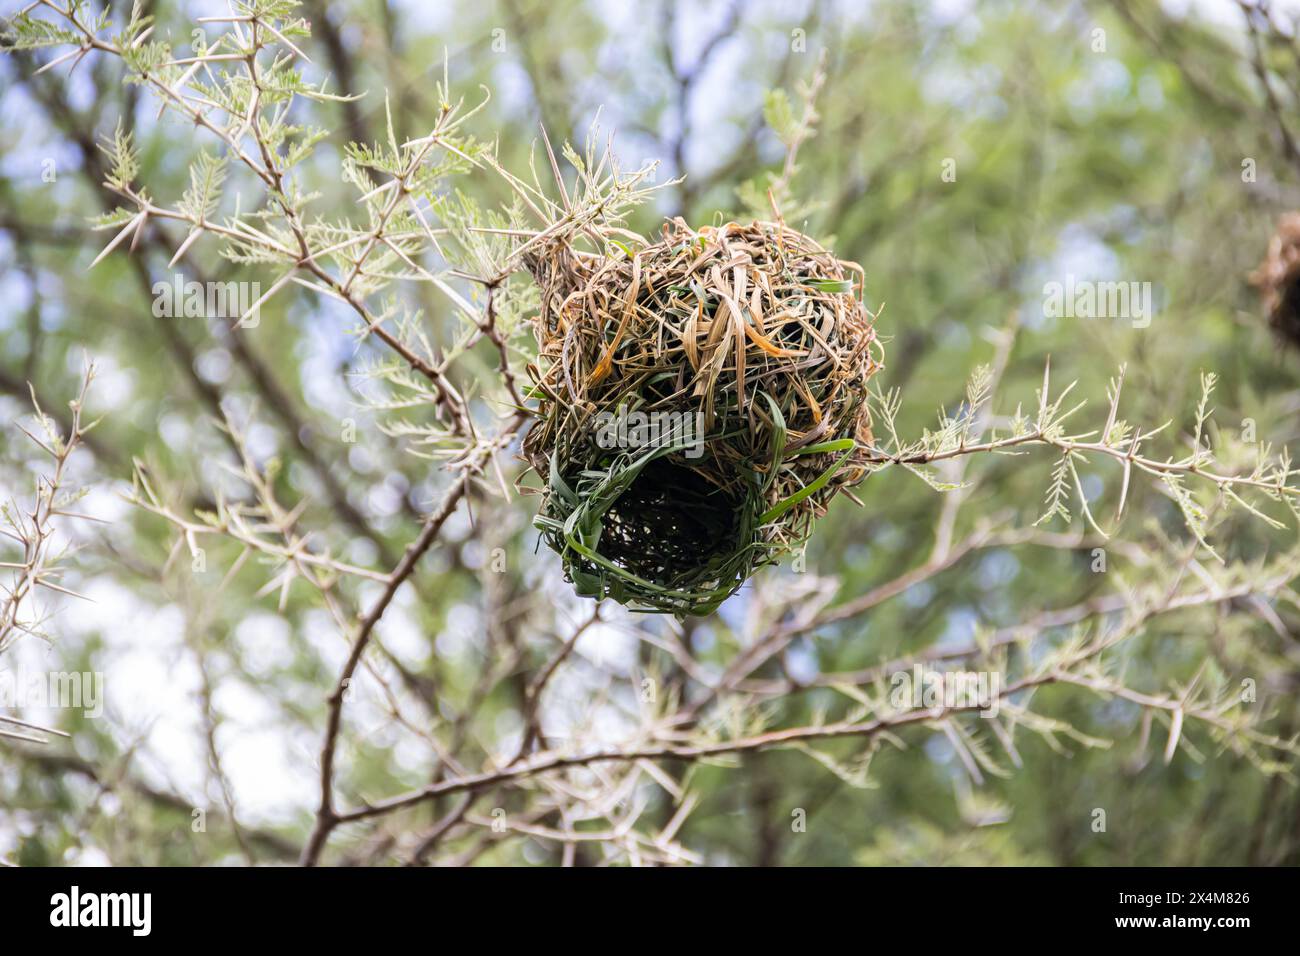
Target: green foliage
[(1122, 551)]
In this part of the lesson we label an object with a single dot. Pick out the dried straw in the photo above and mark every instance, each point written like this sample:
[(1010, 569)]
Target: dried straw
[(756, 328), (1278, 279)]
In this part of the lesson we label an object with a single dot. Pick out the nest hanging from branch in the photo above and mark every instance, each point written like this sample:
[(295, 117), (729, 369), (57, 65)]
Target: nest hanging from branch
[(1278, 279), (701, 400)]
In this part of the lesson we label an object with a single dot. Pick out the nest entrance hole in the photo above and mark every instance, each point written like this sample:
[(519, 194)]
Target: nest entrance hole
[(1286, 317), (669, 521)]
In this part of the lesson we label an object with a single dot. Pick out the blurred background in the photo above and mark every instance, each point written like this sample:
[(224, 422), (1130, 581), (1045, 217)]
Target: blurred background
[(965, 154)]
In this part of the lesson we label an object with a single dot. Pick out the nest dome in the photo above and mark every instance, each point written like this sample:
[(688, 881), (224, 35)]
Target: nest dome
[(1278, 279), (701, 400)]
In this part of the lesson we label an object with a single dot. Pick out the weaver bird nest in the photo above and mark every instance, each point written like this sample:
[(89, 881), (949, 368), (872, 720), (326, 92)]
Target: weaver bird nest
[(701, 400), (1278, 279)]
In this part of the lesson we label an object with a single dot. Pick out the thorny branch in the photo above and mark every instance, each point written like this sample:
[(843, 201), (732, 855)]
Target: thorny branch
[(238, 90), (34, 527)]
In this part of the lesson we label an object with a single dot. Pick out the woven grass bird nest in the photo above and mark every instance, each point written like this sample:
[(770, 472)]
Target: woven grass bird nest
[(701, 400), (1278, 279)]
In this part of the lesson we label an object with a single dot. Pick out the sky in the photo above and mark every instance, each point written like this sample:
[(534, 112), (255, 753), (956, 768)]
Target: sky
[(151, 678)]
